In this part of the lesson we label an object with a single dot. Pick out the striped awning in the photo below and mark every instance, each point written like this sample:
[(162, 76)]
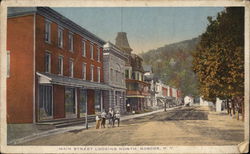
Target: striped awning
[(47, 78)]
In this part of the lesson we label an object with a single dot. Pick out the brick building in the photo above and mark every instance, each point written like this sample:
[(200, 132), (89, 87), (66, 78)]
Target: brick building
[(55, 67), (137, 89), (114, 75)]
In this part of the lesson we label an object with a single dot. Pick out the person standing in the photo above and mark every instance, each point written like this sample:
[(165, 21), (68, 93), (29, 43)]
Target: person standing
[(103, 119), (117, 117), (111, 117), (97, 122)]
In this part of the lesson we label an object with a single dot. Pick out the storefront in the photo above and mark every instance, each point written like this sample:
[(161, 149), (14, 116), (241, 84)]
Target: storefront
[(63, 97)]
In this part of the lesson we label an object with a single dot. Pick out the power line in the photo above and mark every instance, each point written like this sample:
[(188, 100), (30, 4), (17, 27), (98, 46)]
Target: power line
[(121, 19)]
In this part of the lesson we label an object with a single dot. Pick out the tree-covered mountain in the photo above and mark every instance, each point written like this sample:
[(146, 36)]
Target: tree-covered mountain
[(173, 65)]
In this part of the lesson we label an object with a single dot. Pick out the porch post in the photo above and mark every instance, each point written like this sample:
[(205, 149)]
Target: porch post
[(114, 100), (101, 101)]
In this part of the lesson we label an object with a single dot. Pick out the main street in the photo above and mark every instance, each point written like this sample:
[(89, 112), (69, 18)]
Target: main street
[(182, 126)]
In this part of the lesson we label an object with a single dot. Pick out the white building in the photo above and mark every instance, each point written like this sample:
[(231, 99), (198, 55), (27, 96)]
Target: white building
[(205, 103), (188, 100)]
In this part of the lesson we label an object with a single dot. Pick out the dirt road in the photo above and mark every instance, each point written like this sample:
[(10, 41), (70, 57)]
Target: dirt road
[(183, 126)]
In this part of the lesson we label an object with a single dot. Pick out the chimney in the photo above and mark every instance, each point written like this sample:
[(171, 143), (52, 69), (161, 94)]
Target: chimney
[(121, 41)]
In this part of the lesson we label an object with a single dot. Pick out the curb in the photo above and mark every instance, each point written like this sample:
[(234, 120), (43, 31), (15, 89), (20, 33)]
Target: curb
[(75, 128)]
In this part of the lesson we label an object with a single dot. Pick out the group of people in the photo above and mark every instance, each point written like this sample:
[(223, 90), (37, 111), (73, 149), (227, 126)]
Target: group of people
[(111, 117)]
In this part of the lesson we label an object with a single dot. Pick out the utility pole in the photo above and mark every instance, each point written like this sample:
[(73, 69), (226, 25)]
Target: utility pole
[(165, 106), (86, 116)]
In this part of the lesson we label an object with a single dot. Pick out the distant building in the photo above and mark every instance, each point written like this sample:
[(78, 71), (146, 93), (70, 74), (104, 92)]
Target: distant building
[(114, 75), (188, 100), (137, 88), (150, 78), (205, 103), (165, 93)]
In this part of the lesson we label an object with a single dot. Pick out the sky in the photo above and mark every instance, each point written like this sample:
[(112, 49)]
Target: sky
[(146, 27)]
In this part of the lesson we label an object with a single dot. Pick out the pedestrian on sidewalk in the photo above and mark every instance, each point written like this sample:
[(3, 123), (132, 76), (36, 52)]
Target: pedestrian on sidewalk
[(97, 122), (103, 119), (111, 117), (117, 117)]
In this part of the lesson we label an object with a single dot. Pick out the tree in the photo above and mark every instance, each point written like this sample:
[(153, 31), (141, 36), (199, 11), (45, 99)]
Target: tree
[(219, 59)]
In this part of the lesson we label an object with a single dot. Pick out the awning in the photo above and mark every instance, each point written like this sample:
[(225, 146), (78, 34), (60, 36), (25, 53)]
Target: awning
[(135, 96), (47, 78)]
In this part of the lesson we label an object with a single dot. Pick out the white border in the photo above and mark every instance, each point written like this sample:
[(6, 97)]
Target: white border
[(112, 3)]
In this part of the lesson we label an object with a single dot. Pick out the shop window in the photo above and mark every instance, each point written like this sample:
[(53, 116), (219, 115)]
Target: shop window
[(97, 101), (45, 102), (70, 107)]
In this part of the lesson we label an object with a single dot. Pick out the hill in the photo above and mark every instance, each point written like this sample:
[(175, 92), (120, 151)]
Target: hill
[(173, 65)]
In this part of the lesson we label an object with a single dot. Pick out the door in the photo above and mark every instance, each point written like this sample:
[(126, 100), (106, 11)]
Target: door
[(45, 102), (83, 102), (70, 102)]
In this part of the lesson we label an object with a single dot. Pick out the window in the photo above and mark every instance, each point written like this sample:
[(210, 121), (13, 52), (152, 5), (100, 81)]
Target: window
[(60, 65), (60, 37), (99, 74), (70, 103), (91, 51), (127, 74), (97, 101), (47, 62), (83, 49), (84, 71), (8, 63), (71, 68), (45, 102), (111, 74), (98, 54), (92, 73), (47, 31), (116, 76), (71, 41), (83, 102)]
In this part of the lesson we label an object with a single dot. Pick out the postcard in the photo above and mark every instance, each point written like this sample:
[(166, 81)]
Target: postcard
[(124, 76)]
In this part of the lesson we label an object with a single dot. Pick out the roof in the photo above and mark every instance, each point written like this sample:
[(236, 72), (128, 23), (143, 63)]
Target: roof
[(63, 80), (121, 41), (56, 17)]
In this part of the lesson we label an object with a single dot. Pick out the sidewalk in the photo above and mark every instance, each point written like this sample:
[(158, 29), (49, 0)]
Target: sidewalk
[(75, 128)]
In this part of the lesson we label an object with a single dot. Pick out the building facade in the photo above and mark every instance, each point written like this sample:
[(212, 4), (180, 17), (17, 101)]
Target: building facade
[(55, 67), (137, 91), (114, 75), (150, 78), (167, 94)]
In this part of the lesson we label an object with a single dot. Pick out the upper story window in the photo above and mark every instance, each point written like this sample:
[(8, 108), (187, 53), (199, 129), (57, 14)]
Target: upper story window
[(60, 37), (71, 41), (127, 74), (71, 68), (60, 65), (91, 51), (84, 71), (98, 54), (8, 63), (47, 31), (111, 74), (92, 73), (83, 48), (47, 62), (98, 74)]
